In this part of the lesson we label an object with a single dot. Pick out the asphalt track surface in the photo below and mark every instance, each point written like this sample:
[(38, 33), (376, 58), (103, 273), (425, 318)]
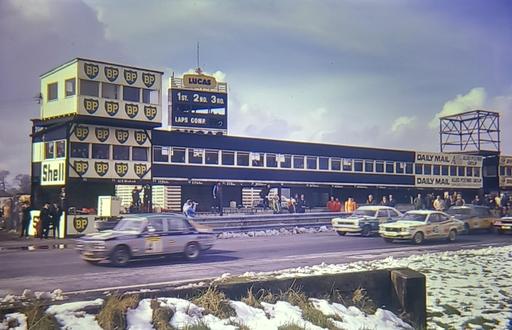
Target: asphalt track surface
[(46, 270)]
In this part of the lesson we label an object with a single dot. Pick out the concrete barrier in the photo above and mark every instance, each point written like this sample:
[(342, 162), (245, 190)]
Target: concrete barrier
[(401, 290)]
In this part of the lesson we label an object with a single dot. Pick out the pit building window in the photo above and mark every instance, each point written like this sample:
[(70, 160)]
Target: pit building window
[(242, 158), (53, 91), (228, 158), (178, 155), (271, 160), (195, 156), (89, 88), (121, 152), (70, 87), (150, 96), (79, 150), (131, 94), (140, 154), (110, 91), (100, 151)]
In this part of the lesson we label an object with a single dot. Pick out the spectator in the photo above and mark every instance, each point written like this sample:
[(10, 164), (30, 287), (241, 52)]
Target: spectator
[(147, 199), (391, 201), (459, 201), (419, 203), (331, 205), (56, 212), (292, 204), (476, 201), (439, 204), (428, 201), (350, 205), (384, 201), (136, 198), (217, 197), (45, 217), (370, 200), (301, 204), (25, 219), (189, 208), (337, 205), (264, 196)]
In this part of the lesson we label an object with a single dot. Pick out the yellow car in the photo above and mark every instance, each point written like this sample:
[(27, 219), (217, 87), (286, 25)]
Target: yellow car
[(473, 216), (420, 225)]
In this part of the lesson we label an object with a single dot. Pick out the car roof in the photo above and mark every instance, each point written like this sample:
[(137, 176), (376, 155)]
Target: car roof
[(467, 206), (148, 216), (375, 207), (425, 212)]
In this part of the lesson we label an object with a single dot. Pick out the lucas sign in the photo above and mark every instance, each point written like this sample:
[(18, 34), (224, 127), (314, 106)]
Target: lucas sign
[(200, 81), (53, 172)]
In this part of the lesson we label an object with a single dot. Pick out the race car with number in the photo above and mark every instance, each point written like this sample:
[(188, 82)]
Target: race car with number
[(365, 220), (146, 235), (503, 225), (421, 225)]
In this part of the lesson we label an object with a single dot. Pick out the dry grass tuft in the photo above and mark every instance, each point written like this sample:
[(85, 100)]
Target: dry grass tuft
[(309, 312), (361, 300), (197, 326), (291, 326), (252, 300), (215, 302), (38, 319), (162, 315), (112, 315)]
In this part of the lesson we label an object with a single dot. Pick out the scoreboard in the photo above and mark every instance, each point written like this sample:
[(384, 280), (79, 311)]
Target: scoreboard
[(198, 108)]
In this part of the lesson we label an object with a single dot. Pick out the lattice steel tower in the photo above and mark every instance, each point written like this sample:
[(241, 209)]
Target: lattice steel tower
[(476, 131)]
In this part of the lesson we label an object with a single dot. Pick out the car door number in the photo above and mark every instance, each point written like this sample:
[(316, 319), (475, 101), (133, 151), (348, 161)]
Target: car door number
[(153, 245)]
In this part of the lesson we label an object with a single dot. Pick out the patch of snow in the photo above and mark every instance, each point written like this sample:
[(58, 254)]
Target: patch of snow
[(70, 316), (17, 318), (141, 317)]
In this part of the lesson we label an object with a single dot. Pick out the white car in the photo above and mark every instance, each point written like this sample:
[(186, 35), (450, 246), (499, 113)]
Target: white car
[(421, 225), (146, 235), (365, 220)]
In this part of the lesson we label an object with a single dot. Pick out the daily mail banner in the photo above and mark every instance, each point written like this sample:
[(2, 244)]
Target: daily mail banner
[(505, 160), (448, 159), (438, 181)]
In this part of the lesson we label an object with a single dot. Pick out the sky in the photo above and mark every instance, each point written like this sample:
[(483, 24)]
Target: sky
[(354, 72)]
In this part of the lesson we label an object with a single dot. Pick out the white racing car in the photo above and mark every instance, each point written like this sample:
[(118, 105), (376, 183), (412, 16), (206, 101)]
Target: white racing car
[(146, 235)]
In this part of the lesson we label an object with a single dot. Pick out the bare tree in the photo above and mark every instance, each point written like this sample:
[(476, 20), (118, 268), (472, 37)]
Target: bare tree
[(23, 181), (3, 175)]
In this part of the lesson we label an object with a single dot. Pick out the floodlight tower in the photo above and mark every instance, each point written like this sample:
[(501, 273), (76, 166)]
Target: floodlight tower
[(475, 132)]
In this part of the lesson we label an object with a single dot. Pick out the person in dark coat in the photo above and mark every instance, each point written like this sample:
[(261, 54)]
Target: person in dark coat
[(264, 196), (217, 197), (46, 218), (56, 212), (301, 204), (25, 219)]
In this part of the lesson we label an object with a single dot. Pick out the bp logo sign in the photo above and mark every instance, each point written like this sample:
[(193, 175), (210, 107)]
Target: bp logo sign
[(140, 169), (111, 108), (81, 132), (80, 223), (148, 79), (102, 133), (130, 76), (101, 168), (122, 135), (150, 112), (131, 110), (140, 137), (81, 167), (111, 73), (121, 169), (91, 105), (91, 70)]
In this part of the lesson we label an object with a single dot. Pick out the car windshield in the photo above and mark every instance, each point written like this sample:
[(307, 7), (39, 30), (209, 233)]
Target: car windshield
[(363, 213), (129, 225), (413, 217), (459, 211)]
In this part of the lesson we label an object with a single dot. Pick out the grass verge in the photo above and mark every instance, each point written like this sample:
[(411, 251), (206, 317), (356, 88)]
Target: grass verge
[(215, 302), (112, 315)]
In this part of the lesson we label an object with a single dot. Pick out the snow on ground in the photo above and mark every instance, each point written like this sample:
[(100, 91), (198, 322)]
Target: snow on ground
[(18, 321), (70, 315), (274, 232), (465, 288)]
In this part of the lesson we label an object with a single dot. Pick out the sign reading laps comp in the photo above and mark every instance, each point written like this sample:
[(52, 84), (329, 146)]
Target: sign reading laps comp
[(195, 107)]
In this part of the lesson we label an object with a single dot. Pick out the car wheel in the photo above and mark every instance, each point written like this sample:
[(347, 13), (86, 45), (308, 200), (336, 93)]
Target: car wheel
[(418, 238), (120, 256), (452, 235), (388, 240), (341, 233), (191, 251), (367, 231), (466, 228)]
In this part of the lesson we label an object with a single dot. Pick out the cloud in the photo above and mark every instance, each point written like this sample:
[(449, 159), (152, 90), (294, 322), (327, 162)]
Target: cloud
[(402, 122), (474, 99)]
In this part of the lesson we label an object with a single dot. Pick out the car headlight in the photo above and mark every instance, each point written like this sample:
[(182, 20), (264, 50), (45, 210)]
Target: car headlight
[(99, 246)]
